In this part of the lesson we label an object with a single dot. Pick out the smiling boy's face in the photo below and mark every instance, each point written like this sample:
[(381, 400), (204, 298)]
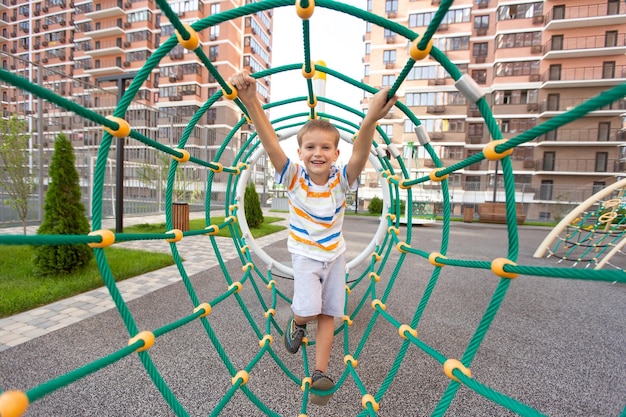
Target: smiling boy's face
[(318, 151)]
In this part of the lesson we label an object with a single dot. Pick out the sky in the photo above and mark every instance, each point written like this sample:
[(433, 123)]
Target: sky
[(337, 39)]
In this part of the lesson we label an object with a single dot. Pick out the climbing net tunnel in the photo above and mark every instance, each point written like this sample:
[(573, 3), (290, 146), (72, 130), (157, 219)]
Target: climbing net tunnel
[(371, 277)]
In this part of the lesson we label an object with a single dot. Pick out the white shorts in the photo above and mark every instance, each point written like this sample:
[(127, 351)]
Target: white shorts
[(318, 287)]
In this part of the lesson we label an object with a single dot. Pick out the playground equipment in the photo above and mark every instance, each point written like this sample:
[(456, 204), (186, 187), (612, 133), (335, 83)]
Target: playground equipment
[(386, 240)]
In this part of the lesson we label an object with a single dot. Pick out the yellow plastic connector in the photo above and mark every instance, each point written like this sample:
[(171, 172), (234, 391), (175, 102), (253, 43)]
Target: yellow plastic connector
[(269, 312), (346, 319), (432, 258), (212, 230), (233, 207), (204, 306), (240, 167), (369, 399), (231, 219), (319, 75), (403, 247), (219, 168), (497, 266), (271, 284), (266, 338), (419, 54), (148, 340), (306, 381), (348, 289), (452, 364), (305, 340), (312, 104), (490, 150), (247, 267), (13, 403), (391, 217), (433, 175), (311, 73), (244, 249), (233, 92), (123, 128), (236, 285), (374, 276), (391, 178), (403, 329), (349, 359), (607, 217), (108, 238), (403, 184), (376, 256), (241, 375), (394, 230), (305, 13), (184, 158), (378, 303), (178, 235), (192, 43)]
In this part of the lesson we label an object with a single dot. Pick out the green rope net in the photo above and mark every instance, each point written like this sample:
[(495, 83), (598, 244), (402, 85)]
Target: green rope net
[(14, 403)]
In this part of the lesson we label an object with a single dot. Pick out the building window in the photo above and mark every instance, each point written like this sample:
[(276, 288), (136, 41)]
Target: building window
[(518, 40), (516, 69), (558, 12), (602, 159), (610, 39), (556, 43), (368, 47), (598, 186), (612, 7), (553, 102), (366, 73), (520, 11), (388, 129), (391, 6), (608, 69), (480, 49), (604, 131), (549, 161), (389, 56), (388, 80), (555, 72), (544, 215), (480, 76), (481, 22), (545, 191)]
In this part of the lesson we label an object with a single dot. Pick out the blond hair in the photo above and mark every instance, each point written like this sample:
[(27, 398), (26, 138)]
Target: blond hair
[(318, 124)]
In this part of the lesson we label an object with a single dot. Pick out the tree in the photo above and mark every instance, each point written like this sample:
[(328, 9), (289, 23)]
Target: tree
[(252, 205), (375, 206), (156, 176), (16, 179), (64, 214)]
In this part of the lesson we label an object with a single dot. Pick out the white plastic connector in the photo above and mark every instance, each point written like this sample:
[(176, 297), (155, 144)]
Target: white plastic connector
[(393, 150), (469, 88), (422, 134)]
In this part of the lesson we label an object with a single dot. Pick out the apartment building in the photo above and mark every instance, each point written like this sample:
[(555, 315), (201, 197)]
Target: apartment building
[(89, 51), (534, 60)]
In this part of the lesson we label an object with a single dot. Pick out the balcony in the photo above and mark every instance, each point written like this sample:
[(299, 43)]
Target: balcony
[(106, 10), (569, 166), (439, 109), (104, 67), (105, 48), (585, 46), (106, 29), (595, 136), (588, 15), (599, 76), (614, 109)]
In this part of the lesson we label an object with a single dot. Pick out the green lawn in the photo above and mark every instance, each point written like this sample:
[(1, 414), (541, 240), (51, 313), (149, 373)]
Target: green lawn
[(266, 228), (21, 290)]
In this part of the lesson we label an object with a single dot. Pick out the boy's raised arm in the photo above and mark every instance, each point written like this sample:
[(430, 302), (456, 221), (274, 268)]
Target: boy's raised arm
[(246, 91), (379, 107)]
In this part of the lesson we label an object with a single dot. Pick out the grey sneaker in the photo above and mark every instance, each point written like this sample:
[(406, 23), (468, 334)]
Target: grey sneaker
[(321, 382), (292, 337)]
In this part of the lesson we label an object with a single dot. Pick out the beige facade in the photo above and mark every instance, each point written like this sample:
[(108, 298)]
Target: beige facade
[(533, 60), (81, 50)]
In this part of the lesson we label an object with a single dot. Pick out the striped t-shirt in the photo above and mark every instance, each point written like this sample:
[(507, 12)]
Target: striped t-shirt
[(315, 212)]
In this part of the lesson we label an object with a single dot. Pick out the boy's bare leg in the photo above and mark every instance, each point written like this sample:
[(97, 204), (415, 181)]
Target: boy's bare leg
[(324, 341)]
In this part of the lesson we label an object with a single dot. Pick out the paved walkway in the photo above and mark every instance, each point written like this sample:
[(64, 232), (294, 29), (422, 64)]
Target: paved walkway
[(23, 327)]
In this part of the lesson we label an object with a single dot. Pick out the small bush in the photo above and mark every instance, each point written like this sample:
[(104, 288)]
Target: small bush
[(64, 214), (252, 205), (375, 206)]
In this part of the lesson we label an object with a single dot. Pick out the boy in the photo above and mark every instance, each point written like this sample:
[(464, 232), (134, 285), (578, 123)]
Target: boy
[(316, 191)]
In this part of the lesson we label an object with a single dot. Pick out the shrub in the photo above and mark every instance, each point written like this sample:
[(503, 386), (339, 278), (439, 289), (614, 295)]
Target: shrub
[(252, 205), (375, 206), (64, 214)]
